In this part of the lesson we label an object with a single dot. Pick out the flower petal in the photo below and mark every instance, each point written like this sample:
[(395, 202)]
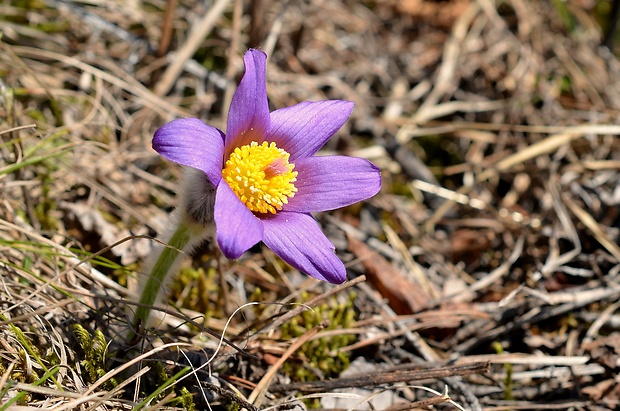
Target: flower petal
[(248, 117), (236, 228), (304, 128), (297, 239), (330, 182), (192, 143)]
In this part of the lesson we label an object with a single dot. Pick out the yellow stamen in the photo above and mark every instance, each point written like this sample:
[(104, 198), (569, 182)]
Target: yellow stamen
[(261, 176)]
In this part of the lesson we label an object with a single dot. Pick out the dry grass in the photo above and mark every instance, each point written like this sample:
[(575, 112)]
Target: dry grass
[(494, 239)]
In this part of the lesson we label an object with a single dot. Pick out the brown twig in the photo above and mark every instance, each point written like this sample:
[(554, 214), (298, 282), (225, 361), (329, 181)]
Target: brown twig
[(166, 34), (383, 377)]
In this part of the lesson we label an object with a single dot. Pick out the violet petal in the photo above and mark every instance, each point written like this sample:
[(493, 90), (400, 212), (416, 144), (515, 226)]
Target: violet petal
[(330, 182), (237, 229), (248, 117), (192, 143), (297, 239), (304, 128)]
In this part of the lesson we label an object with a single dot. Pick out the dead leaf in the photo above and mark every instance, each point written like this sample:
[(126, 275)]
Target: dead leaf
[(605, 350), (608, 389), (468, 245), (403, 294), (441, 13)]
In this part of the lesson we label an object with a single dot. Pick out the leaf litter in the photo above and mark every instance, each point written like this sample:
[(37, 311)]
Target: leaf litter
[(486, 270)]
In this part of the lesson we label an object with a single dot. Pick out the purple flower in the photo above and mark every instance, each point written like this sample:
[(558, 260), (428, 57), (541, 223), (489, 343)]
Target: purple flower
[(266, 176)]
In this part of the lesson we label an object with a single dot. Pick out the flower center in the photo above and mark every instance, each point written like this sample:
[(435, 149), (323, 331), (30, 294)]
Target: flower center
[(261, 176)]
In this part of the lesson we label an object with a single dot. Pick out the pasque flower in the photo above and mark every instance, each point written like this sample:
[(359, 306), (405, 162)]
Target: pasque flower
[(265, 175)]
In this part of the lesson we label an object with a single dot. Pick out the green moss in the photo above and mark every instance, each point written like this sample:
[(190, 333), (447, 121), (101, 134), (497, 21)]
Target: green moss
[(162, 376), (186, 399), (257, 295), (53, 26), (233, 406), (94, 348), (321, 357), (160, 385), (199, 290)]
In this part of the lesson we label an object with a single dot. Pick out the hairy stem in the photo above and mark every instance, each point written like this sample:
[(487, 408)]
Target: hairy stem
[(157, 279)]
